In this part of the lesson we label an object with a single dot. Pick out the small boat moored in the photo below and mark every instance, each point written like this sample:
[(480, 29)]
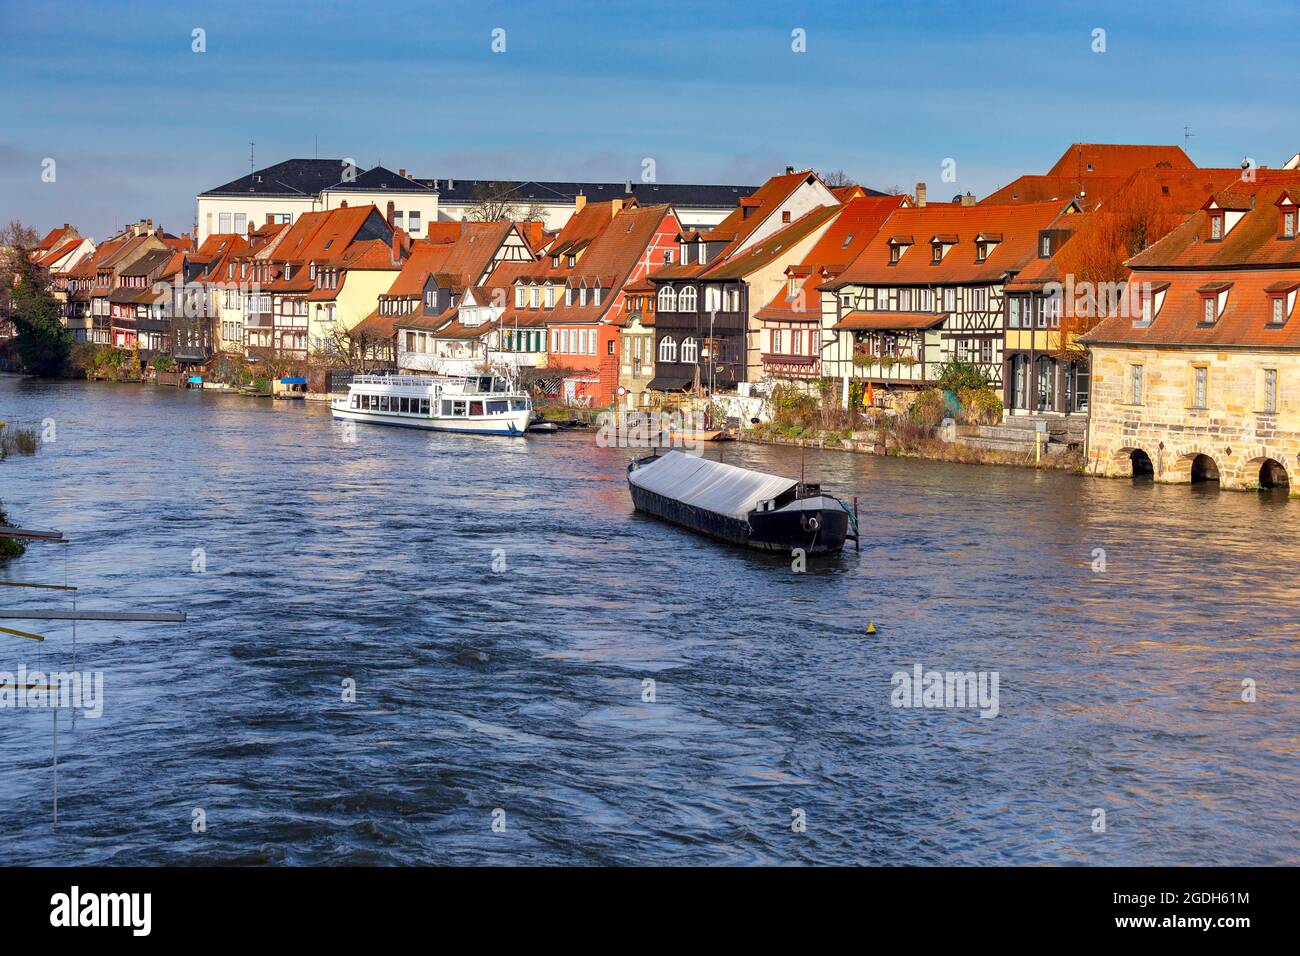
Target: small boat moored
[(749, 508)]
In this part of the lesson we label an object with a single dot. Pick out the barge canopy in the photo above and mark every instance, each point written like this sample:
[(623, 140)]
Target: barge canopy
[(710, 485)]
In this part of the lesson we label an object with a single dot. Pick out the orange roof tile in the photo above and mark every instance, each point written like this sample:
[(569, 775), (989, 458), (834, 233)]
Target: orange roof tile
[(1019, 225)]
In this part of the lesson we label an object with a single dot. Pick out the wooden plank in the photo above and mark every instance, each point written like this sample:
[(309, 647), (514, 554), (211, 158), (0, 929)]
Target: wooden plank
[(30, 637), (29, 584), (8, 532), (35, 614)]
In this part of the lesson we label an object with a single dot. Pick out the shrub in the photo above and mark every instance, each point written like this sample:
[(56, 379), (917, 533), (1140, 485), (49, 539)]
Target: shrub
[(927, 409), (956, 375), (980, 406)]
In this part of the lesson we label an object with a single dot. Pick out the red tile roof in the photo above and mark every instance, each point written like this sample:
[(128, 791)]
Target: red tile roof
[(1117, 159), (881, 321), (856, 225), (1019, 225)]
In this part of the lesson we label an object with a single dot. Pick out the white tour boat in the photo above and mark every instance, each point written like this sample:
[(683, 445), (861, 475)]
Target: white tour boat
[(477, 404)]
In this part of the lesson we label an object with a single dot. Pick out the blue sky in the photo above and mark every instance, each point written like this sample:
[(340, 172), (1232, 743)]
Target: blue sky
[(138, 123)]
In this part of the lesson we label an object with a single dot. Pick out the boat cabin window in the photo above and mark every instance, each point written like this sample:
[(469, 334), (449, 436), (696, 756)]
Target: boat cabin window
[(424, 406), (356, 401), (518, 404), (476, 408), (498, 408), (485, 384), (405, 407), (453, 408), (383, 403)]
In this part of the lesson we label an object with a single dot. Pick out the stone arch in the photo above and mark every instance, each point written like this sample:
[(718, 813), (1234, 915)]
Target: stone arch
[(1131, 462), (1262, 468), (1180, 464), (1202, 468)]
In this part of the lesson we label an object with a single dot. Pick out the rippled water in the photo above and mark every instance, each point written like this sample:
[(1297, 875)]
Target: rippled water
[(373, 561)]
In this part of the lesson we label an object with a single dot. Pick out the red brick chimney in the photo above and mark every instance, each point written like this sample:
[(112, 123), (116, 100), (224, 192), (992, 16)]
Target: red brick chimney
[(391, 210)]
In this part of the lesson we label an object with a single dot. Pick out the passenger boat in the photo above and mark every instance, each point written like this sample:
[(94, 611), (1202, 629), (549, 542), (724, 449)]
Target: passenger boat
[(477, 404), (760, 511)]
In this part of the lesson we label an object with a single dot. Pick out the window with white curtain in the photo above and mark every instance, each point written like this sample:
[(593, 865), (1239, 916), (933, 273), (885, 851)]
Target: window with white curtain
[(667, 349)]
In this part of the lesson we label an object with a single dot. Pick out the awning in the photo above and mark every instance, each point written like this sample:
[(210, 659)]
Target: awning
[(888, 321), (669, 383), (293, 380)]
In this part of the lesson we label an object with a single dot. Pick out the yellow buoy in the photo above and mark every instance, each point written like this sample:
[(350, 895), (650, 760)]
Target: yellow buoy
[(871, 627)]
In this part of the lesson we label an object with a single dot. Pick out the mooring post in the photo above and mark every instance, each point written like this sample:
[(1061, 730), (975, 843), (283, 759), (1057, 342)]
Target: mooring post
[(54, 712)]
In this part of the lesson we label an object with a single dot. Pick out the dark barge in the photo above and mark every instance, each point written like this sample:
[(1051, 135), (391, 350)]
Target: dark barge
[(749, 508)]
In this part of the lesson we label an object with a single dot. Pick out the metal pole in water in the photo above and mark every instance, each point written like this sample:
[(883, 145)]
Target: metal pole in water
[(54, 712)]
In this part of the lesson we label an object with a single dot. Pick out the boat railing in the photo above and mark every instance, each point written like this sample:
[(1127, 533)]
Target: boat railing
[(468, 384)]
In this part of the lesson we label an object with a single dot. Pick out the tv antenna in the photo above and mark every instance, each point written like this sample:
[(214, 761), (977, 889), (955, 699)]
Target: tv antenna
[(1187, 135), (251, 166)]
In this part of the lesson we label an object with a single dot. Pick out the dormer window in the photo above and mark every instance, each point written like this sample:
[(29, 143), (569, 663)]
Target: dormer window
[(595, 295), (1216, 226), (1214, 299), (898, 245), (981, 251), (1288, 223), (571, 260), (582, 295), (568, 295), (791, 287), (519, 297), (1281, 298), (936, 252), (785, 215), (702, 252), (555, 262), (1045, 246)]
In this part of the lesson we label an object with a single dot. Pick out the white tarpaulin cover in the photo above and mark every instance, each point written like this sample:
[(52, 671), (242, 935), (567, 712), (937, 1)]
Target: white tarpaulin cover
[(711, 485)]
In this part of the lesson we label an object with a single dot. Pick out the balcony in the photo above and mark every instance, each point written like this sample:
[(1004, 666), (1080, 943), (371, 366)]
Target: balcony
[(796, 365)]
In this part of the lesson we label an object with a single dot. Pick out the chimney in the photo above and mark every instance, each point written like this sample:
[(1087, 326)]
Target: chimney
[(250, 228), (968, 200), (343, 204), (402, 173), (627, 188), (920, 195), (391, 210), (397, 247), (789, 170), (579, 201), (616, 206), (451, 183), (66, 226)]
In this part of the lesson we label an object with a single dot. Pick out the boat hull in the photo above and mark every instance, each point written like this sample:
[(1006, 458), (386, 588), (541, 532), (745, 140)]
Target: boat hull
[(784, 531), (515, 423)]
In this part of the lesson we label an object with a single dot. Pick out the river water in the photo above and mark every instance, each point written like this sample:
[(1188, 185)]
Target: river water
[(305, 562)]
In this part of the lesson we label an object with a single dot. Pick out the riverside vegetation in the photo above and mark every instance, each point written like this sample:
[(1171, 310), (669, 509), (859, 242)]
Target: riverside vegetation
[(922, 424)]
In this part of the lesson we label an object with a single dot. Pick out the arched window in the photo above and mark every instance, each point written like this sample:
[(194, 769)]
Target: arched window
[(667, 299), (667, 347), (686, 301), (690, 351)]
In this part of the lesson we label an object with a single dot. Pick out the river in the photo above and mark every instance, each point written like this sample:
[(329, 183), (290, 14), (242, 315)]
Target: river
[(308, 564)]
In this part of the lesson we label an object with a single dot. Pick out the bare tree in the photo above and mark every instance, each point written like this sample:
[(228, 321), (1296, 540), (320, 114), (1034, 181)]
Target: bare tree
[(494, 202), (837, 177)]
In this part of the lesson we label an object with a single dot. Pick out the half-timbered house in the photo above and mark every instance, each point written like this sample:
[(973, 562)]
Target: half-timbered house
[(928, 290), (791, 335), (707, 333)]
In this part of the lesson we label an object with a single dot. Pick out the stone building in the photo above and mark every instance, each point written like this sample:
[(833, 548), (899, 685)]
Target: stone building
[(1197, 376)]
